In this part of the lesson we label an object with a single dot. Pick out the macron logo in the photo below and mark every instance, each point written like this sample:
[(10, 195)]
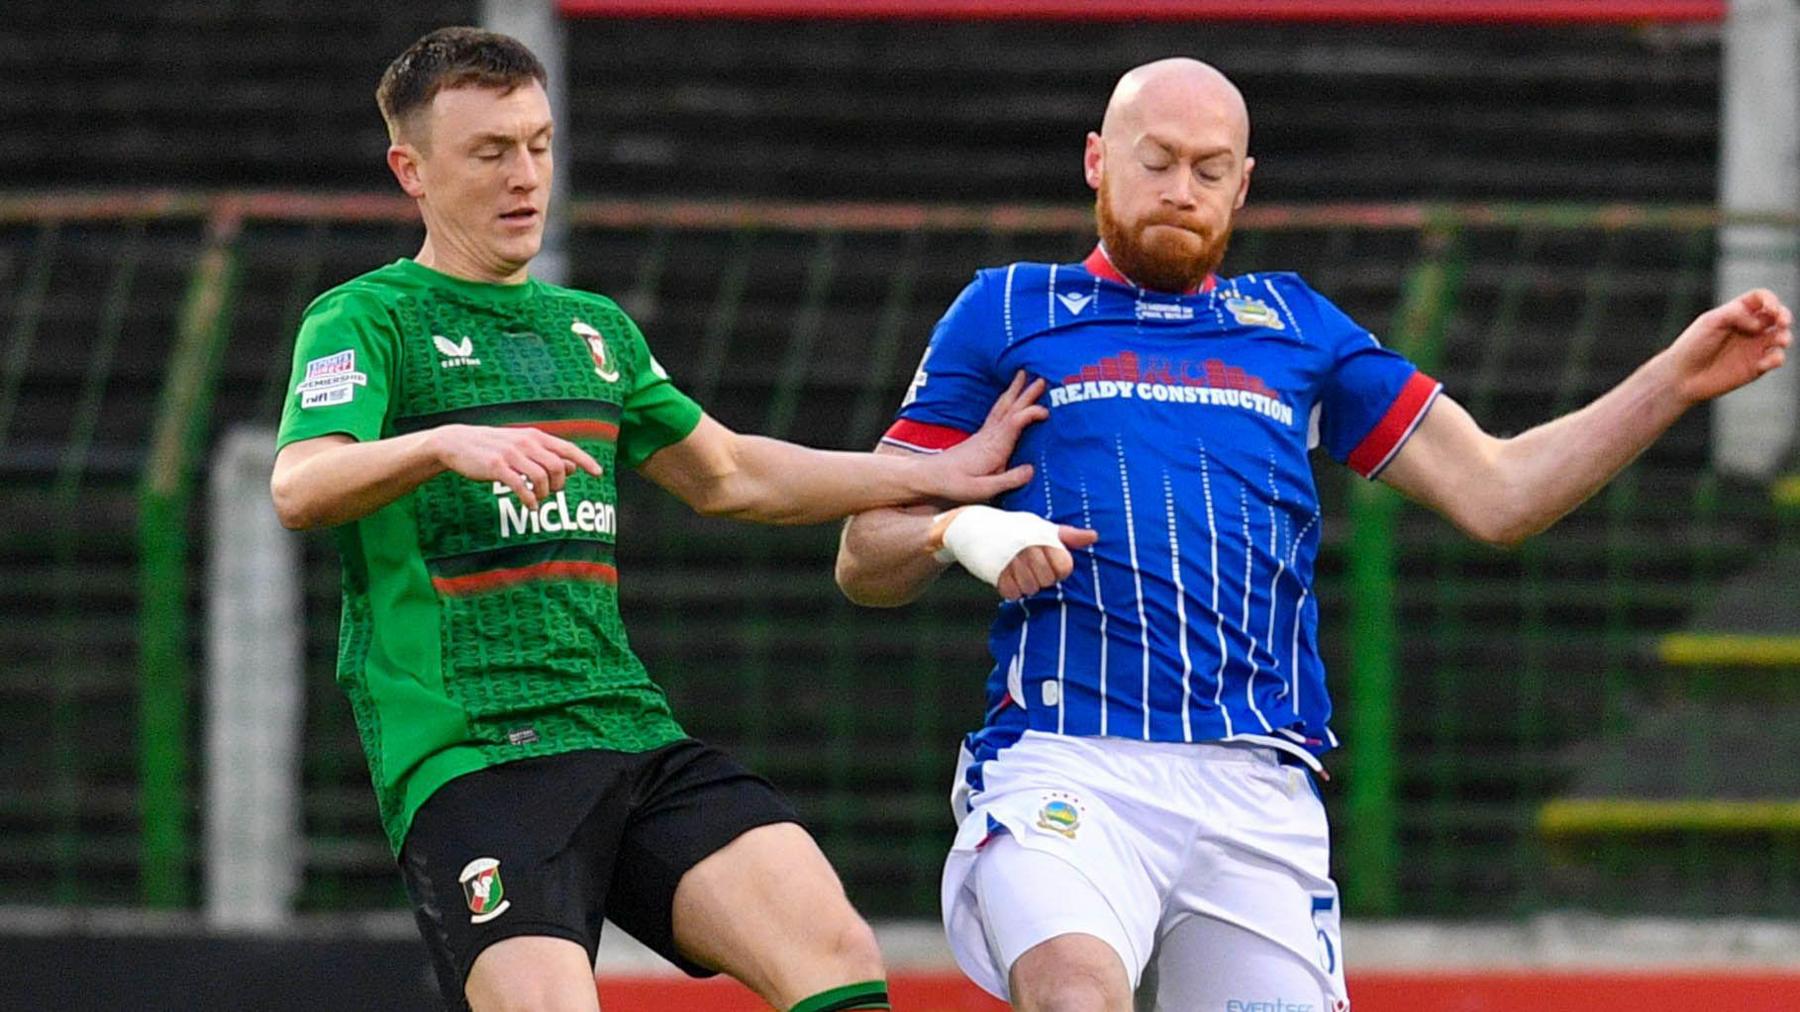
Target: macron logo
[(1074, 303)]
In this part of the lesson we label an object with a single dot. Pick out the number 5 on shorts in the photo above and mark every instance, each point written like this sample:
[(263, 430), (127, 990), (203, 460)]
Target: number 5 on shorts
[(1322, 907)]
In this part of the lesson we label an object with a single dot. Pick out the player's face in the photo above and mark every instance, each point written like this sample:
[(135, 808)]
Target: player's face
[(483, 178), (1168, 183)]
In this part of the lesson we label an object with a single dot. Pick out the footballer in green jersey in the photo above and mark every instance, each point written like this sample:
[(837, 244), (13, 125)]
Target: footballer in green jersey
[(478, 628), (461, 424)]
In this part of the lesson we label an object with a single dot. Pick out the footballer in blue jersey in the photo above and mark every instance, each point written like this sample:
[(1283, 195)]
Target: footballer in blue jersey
[(1182, 422), (1140, 800)]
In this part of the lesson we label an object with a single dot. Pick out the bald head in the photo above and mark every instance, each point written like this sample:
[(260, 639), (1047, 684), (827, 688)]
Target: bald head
[(1174, 92), (1170, 167)]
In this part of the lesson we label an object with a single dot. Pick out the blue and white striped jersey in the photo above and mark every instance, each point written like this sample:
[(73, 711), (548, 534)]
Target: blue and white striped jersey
[(1179, 429)]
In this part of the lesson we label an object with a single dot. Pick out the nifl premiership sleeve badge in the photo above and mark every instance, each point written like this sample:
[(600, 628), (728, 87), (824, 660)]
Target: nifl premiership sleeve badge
[(331, 380)]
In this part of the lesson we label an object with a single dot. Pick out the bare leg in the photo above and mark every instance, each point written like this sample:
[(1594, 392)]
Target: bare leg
[(1070, 973), (768, 910), (532, 973)]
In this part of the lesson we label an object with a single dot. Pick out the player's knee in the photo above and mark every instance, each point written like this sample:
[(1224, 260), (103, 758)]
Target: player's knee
[(528, 994), (532, 974), (1070, 973), (850, 945), (1069, 992)]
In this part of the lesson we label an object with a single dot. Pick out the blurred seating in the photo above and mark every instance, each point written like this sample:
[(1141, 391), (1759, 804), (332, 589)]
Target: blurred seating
[(260, 93)]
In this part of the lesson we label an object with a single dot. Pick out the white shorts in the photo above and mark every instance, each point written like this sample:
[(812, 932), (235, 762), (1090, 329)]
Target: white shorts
[(1205, 866)]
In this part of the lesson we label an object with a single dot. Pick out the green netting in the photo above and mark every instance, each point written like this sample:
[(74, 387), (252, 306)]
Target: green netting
[(1518, 678), (87, 311)]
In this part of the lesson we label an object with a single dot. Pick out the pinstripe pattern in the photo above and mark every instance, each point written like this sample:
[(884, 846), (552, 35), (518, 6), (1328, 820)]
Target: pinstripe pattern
[(1205, 401)]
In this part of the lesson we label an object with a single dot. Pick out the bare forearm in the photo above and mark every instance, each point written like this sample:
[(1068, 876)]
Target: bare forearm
[(883, 560), (1505, 490), (337, 484), (1502, 491), (781, 483), (1561, 464)]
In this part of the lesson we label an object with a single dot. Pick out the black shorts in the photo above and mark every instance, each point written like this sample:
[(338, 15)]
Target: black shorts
[(553, 845)]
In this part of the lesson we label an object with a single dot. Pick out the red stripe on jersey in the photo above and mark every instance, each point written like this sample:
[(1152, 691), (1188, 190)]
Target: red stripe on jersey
[(1385, 438), (497, 579), (923, 436), (1101, 266), (574, 428)]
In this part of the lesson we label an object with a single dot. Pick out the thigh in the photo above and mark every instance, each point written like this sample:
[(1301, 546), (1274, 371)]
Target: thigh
[(1050, 931), (1263, 867), (523, 849), (534, 972), (1204, 963), (1032, 861), (769, 910), (694, 804)]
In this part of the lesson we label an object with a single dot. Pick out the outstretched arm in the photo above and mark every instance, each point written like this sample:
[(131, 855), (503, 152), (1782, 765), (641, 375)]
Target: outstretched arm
[(723, 473), (334, 479), (1502, 491)]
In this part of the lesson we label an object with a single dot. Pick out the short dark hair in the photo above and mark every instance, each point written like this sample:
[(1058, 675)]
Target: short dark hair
[(453, 58)]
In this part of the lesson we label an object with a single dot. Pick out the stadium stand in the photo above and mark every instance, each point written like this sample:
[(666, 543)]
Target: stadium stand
[(200, 94), (996, 111), (266, 93)]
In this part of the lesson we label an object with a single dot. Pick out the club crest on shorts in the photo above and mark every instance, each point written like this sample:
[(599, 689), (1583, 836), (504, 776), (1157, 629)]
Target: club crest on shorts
[(481, 887), (1060, 814), (597, 348)]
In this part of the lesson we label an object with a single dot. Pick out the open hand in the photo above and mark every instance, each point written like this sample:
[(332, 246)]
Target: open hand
[(975, 470), (1730, 345)]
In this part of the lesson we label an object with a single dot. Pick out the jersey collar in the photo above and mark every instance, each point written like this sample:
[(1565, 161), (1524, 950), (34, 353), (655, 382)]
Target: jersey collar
[(1101, 266)]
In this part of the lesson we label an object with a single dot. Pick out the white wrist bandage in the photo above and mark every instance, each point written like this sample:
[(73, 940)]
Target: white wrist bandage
[(984, 540)]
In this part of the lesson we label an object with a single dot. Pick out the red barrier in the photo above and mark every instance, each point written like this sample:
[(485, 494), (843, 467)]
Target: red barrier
[(1561, 991), (1575, 992), (1409, 11), (916, 992)]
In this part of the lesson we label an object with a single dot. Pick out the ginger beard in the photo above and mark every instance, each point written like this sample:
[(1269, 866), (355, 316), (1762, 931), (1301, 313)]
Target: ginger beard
[(1173, 259)]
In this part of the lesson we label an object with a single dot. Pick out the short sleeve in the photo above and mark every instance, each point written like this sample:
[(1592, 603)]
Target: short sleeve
[(656, 413), (345, 361), (1373, 397), (957, 378)]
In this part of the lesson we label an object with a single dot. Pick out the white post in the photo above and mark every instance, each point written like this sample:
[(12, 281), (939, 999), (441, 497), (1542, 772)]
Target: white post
[(534, 22), (254, 694), (1754, 428)]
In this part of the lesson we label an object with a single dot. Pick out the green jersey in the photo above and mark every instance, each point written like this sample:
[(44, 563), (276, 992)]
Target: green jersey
[(476, 631)]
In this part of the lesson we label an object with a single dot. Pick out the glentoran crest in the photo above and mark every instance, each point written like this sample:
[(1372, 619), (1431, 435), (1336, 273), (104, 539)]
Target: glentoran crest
[(482, 889), (597, 348)]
